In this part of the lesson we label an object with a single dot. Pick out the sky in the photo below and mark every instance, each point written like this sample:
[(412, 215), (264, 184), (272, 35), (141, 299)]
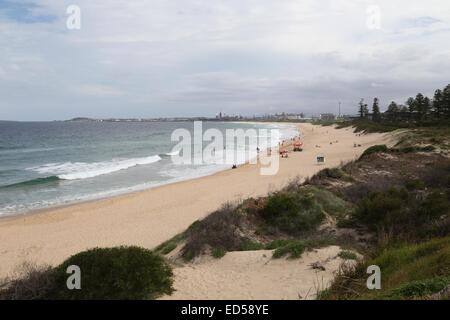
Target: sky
[(168, 58)]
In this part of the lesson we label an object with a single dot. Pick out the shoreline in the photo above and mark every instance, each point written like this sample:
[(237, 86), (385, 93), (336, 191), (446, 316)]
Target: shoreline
[(56, 207), (148, 217), (50, 208)]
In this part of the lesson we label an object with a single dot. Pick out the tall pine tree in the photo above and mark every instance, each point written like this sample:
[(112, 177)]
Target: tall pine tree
[(446, 102), (423, 106), (363, 110), (376, 115), (438, 104)]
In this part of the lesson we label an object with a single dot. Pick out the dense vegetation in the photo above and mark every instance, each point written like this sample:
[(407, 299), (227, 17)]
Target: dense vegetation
[(286, 220), (409, 271), (418, 110), (106, 273), (405, 204)]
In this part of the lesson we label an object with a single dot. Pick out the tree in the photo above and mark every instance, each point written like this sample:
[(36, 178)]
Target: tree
[(446, 101), (363, 110), (411, 103), (392, 111), (376, 110), (422, 105), (403, 108), (438, 103), (393, 107)]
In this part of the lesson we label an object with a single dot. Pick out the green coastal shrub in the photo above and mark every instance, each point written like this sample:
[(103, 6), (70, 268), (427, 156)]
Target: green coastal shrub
[(129, 273), (218, 252), (250, 245), (293, 249), (333, 173), (293, 212), (217, 230), (404, 213), (408, 271), (375, 149), (115, 273), (419, 289), (347, 255)]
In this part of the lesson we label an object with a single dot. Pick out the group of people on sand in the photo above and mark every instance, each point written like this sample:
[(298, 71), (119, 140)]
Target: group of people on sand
[(331, 143), (297, 146), (283, 152)]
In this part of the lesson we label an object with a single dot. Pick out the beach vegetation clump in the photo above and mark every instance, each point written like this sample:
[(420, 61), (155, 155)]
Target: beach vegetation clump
[(30, 282), (218, 252), (130, 273), (375, 149), (251, 245), (303, 210), (170, 245), (293, 212), (294, 248), (333, 173), (218, 230), (408, 271), (402, 214), (347, 255)]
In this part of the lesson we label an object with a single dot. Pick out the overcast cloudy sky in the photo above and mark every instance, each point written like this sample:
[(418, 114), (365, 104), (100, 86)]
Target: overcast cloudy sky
[(136, 58)]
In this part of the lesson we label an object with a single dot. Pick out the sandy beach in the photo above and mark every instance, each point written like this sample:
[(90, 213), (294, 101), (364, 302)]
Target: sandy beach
[(150, 217)]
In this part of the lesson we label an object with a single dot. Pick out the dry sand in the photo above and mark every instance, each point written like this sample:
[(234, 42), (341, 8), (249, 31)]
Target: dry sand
[(254, 275), (150, 217)]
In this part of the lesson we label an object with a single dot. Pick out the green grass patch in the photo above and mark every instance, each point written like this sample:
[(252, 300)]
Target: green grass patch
[(347, 255), (407, 271), (218, 252), (418, 289), (401, 212), (375, 149), (169, 245), (251, 245), (293, 248)]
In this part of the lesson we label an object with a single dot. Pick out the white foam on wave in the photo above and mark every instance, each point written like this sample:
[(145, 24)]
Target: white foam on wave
[(173, 153), (83, 170)]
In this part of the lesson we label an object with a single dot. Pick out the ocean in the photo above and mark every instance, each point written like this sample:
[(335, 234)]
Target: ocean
[(46, 164)]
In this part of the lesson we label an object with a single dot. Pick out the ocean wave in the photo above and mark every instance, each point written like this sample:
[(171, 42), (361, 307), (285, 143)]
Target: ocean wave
[(174, 153), (83, 170), (32, 182)]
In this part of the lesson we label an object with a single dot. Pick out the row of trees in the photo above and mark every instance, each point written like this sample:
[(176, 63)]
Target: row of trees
[(418, 109)]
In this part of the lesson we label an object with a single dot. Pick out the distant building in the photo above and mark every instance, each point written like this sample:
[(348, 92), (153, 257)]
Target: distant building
[(327, 116)]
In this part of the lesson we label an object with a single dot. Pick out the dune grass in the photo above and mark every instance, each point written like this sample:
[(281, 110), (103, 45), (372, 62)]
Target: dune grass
[(407, 271)]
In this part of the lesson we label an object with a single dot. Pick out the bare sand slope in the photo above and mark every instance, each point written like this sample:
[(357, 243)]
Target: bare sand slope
[(250, 275), (150, 217)]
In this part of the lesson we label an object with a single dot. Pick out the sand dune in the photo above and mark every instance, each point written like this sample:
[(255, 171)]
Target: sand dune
[(250, 275), (150, 217)]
